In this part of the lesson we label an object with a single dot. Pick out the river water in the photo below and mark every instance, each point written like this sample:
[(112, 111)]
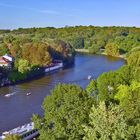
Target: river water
[(18, 109)]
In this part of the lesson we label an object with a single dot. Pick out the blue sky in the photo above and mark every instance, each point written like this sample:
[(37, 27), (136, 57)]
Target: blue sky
[(58, 13)]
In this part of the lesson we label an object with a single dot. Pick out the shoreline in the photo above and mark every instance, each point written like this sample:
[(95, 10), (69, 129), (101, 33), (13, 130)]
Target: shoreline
[(120, 56), (86, 51), (80, 51), (47, 71)]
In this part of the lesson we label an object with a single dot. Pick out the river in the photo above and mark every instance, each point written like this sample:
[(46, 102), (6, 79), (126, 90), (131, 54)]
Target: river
[(18, 109)]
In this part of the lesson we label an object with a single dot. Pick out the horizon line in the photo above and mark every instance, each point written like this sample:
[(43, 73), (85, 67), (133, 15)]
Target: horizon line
[(68, 26)]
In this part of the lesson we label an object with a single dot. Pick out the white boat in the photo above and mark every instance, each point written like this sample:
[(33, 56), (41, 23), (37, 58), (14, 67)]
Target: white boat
[(7, 95), (27, 132), (89, 77), (54, 67), (29, 93)]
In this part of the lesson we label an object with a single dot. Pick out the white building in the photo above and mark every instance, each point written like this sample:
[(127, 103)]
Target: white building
[(8, 57), (6, 60)]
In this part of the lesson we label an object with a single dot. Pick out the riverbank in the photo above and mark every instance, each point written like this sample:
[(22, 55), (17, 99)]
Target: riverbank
[(39, 73), (120, 56), (82, 50), (86, 51)]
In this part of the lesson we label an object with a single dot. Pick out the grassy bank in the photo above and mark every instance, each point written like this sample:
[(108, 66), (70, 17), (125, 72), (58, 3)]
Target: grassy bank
[(82, 50), (102, 53)]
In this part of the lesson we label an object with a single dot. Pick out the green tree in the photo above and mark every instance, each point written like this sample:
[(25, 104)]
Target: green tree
[(13, 137), (106, 86), (92, 88), (15, 50), (65, 112), (112, 49), (4, 49), (23, 66), (108, 123), (134, 59), (129, 97), (78, 42), (93, 49)]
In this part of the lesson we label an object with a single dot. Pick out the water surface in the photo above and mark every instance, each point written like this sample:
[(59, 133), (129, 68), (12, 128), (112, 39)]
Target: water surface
[(18, 109)]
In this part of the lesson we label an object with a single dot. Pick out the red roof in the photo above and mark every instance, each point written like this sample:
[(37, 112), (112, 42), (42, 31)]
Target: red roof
[(3, 60)]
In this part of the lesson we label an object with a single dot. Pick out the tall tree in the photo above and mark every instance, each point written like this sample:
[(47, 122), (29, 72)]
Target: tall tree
[(112, 49), (65, 112), (23, 66), (108, 123), (134, 59)]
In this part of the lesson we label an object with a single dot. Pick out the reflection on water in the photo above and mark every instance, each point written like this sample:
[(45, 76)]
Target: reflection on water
[(18, 109)]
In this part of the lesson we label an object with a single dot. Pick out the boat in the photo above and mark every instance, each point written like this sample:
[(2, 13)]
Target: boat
[(26, 132), (54, 67), (7, 95), (89, 77), (29, 93)]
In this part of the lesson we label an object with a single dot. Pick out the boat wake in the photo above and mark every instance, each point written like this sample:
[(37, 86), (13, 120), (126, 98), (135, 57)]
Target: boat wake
[(10, 94)]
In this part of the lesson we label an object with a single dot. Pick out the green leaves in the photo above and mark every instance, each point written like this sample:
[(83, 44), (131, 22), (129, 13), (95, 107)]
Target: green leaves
[(13, 137), (107, 123), (134, 59), (129, 97), (65, 112), (112, 49), (23, 66), (92, 88)]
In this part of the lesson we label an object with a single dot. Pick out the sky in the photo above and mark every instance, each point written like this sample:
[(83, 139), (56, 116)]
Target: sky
[(59, 13)]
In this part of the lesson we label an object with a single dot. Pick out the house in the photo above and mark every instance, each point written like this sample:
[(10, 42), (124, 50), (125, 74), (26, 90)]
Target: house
[(6, 60), (8, 57)]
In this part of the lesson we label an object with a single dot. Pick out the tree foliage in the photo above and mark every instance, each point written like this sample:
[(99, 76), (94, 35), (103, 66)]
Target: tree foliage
[(108, 123), (133, 58), (112, 49), (92, 88), (65, 112), (129, 98), (23, 66), (115, 112), (13, 137)]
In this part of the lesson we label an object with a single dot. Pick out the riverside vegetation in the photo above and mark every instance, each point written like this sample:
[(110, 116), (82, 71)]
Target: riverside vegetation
[(109, 107), (32, 56), (33, 48)]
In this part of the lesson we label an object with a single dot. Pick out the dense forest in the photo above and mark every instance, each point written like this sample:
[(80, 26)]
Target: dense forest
[(31, 55), (37, 47), (109, 107), (121, 39)]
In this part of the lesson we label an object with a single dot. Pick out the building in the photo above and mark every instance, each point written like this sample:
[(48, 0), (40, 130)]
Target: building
[(8, 57), (6, 61)]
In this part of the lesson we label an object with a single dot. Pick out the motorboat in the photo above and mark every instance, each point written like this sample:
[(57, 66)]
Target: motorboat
[(89, 77), (7, 95), (29, 93)]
